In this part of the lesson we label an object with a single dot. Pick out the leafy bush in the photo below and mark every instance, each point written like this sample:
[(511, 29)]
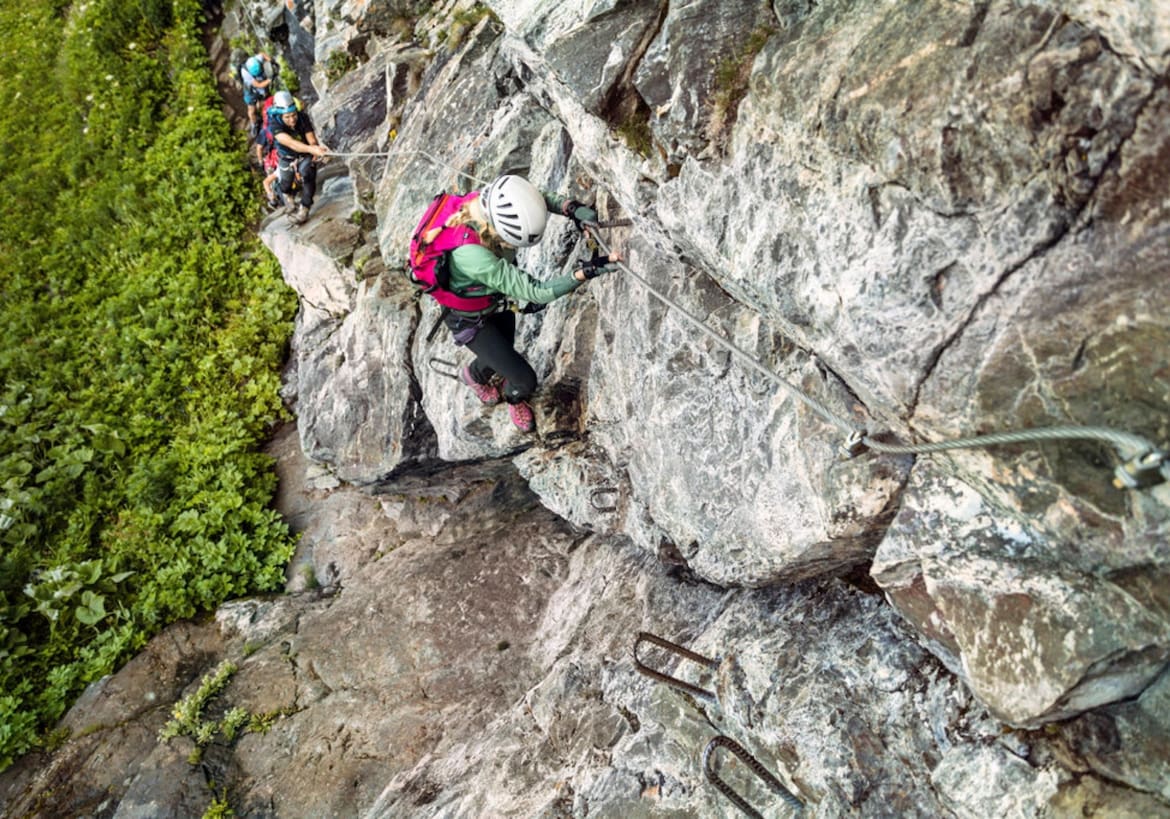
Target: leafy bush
[(139, 352)]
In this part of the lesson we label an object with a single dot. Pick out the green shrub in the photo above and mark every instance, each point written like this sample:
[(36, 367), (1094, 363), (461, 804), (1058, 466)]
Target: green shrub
[(338, 64), (140, 350)]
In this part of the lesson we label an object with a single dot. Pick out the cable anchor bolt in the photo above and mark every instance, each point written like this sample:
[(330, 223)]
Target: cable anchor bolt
[(854, 445), (1142, 471)]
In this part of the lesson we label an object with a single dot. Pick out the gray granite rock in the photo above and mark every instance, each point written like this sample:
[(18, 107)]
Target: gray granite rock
[(932, 220)]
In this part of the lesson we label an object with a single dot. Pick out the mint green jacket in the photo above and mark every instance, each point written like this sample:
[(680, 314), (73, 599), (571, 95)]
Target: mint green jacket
[(476, 267)]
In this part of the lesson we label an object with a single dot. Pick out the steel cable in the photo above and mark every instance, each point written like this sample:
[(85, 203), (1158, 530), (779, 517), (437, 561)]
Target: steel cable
[(1129, 446), (1143, 456)]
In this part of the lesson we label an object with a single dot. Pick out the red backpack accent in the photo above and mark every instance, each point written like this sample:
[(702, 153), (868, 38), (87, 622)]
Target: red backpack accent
[(430, 245)]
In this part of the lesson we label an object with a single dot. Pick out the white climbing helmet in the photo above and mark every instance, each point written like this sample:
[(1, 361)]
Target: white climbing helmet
[(283, 103), (515, 209)]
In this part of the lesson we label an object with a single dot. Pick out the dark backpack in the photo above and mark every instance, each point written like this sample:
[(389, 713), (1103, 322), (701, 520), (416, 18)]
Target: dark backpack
[(430, 249)]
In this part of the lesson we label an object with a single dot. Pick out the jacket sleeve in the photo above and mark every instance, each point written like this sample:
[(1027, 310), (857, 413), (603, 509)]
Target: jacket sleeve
[(554, 202), (475, 264)]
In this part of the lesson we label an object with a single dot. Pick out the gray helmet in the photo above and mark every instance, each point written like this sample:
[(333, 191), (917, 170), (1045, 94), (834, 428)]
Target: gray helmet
[(516, 210)]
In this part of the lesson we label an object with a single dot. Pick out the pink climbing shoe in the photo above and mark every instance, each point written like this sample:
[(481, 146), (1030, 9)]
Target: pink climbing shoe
[(522, 416), (487, 393)]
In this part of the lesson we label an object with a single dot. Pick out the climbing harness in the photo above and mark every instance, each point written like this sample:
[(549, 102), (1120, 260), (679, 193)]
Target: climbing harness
[(755, 766), (654, 674)]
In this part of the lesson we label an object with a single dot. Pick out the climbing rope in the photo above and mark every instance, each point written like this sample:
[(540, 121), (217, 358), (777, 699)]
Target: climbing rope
[(1144, 464)]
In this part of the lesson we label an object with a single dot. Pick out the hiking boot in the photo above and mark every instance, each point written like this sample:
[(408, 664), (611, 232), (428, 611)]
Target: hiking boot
[(522, 416), (301, 216), (487, 393)]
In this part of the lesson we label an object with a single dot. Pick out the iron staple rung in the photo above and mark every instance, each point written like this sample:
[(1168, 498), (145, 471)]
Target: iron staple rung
[(756, 767), (437, 366), (600, 493), (654, 674)]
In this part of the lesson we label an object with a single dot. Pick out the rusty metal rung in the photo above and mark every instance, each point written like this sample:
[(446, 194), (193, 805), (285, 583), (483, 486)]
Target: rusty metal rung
[(655, 674), (598, 493), (611, 223), (447, 369), (555, 437), (755, 766)]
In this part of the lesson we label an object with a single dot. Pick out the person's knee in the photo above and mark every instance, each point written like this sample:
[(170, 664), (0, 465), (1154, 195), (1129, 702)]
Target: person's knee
[(520, 387)]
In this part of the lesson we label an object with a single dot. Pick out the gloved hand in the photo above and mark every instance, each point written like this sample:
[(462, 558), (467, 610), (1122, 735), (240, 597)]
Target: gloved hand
[(579, 212), (597, 265)]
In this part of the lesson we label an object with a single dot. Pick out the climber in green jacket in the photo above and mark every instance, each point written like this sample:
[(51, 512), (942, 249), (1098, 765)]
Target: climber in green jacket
[(510, 213)]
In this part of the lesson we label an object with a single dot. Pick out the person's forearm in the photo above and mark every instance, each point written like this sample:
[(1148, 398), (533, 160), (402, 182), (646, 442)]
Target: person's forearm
[(294, 144)]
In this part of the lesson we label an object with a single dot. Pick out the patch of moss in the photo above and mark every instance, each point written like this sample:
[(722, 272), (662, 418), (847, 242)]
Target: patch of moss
[(338, 64), (731, 84)]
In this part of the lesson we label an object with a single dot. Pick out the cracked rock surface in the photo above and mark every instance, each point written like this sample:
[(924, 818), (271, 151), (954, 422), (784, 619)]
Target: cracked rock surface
[(935, 220)]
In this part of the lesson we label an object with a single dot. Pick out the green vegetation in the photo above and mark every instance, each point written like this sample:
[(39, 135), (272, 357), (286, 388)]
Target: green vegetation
[(634, 130), (338, 64), (189, 719), (731, 83), (462, 23), (140, 347), (218, 809)]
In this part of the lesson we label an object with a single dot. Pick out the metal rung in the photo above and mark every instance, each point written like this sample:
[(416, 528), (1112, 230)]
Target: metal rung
[(756, 767), (557, 437), (654, 674), (600, 493), (447, 369), (612, 223)]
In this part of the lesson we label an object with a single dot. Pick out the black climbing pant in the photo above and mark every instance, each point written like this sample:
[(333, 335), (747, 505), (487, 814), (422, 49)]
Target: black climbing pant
[(495, 354), (289, 169)]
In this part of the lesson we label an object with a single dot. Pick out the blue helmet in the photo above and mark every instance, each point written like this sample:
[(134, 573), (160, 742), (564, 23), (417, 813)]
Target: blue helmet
[(255, 67)]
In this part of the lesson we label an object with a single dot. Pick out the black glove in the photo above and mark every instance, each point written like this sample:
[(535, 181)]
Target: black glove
[(595, 266), (532, 307), (579, 212)]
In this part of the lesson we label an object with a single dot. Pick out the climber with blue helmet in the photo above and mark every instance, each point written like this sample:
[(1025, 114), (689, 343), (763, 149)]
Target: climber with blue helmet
[(297, 147), (509, 213), (265, 143), (257, 75)]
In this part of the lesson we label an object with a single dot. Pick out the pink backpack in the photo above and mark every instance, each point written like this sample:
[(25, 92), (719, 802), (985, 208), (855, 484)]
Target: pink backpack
[(430, 247)]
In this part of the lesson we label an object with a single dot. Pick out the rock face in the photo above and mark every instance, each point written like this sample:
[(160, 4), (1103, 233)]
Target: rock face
[(925, 221)]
